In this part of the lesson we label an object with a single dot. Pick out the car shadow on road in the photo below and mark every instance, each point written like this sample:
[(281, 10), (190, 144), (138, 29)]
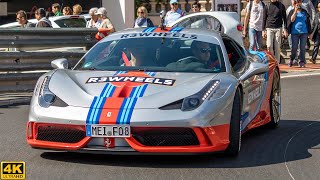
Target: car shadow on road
[(263, 146)]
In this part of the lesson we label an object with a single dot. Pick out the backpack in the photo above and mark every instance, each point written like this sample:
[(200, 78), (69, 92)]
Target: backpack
[(263, 6)]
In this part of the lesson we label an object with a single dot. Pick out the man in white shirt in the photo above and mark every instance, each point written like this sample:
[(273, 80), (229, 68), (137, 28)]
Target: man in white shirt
[(174, 14), (254, 17)]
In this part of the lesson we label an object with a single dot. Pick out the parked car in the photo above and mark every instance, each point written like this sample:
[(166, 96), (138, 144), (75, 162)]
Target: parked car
[(71, 21), (148, 91)]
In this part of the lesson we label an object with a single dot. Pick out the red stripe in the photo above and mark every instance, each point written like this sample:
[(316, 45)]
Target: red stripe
[(125, 59)]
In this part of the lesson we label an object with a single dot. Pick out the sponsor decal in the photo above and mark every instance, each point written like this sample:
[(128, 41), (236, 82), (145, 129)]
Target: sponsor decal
[(254, 94), (173, 34), (148, 80), (118, 98), (13, 170)]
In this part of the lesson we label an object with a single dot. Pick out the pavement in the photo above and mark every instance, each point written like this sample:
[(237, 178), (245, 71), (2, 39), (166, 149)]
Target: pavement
[(14, 98)]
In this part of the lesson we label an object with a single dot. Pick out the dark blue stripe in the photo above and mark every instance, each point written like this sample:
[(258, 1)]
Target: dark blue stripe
[(143, 90), (90, 110), (104, 89), (100, 110), (131, 110), (244, 116), (145, 30), (121, 110), (133, 91), (112, 91), (152, 29)]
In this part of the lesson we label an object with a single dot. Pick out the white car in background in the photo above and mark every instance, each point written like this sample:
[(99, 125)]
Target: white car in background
[(212, 20), (72, 21)]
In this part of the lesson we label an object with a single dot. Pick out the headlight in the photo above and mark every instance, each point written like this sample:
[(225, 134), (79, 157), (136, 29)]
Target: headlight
[(194, 101), (46, 97)]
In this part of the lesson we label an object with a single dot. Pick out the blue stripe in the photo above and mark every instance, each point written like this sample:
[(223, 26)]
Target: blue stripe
[(131, 110), (100, 110), (146, 30), (129, 103), (111, 91), (244, 116), (94, 110), (143, 90), (105, 90), (90, 110), (97, 110), (121, 109), (152, 29)]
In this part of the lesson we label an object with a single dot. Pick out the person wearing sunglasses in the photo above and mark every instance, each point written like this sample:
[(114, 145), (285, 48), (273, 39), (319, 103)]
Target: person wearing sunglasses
[(196, 7), (174, 14), (202, 51), (142, 18), (22, 19)]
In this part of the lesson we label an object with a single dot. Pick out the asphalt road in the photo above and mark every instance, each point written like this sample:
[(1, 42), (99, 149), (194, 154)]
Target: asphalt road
[(288, 152)]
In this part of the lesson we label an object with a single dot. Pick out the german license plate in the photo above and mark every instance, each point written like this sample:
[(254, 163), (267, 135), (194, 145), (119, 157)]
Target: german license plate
[(108, 130)]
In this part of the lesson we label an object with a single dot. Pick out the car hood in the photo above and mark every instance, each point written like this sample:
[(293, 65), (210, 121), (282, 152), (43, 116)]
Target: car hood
[(151, 89)]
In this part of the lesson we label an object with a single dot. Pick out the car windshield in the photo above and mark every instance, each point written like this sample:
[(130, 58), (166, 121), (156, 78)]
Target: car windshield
[(155, 54), (72, 22)]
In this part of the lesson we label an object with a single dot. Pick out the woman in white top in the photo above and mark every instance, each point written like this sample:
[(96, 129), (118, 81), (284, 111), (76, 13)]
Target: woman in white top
[(94, 21), (142, 20), (105, 21)]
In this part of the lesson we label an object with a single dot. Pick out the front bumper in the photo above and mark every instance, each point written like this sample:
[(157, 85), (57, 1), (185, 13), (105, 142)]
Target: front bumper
[(72, 138)]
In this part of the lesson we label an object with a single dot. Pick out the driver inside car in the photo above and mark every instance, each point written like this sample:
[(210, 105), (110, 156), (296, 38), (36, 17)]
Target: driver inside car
[(202, 51)]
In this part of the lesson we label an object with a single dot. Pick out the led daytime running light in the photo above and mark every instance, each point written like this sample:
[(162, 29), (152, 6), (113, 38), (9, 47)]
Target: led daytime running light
[(213, 87)]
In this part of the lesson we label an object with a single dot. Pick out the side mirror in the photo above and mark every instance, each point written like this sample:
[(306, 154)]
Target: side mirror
[(60, 63), (255, 68)]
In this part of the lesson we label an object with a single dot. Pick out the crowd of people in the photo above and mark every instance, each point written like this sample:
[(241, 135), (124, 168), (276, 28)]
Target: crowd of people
[(271, 20), (299, 23)]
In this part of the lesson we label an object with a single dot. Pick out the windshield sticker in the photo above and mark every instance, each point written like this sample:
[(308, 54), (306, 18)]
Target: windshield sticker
[(87, 64), (148, 80), (155, 34)]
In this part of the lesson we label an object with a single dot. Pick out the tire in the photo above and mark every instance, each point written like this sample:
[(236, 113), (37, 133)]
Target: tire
[(275, 101), (235, 132)]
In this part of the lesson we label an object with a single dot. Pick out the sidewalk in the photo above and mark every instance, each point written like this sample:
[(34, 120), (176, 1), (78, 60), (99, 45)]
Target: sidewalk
[(284, 68), (8, 99)]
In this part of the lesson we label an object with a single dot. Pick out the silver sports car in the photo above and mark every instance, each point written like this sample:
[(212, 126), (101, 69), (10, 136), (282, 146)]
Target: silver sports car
[(153, 90)]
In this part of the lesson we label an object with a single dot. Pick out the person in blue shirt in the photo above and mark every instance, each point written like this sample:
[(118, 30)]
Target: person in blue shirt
[(299, 26), (174, 14)]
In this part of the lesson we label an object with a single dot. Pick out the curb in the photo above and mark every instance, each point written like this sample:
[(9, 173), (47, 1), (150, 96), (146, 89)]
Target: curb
[(18, 101)]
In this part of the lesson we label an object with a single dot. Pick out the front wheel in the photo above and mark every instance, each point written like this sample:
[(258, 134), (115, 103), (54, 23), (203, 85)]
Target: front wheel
[(275, 101), (235, 127)]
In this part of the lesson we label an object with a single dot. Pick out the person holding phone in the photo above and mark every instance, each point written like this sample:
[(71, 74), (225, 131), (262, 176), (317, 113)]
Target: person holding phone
[(299, 27)]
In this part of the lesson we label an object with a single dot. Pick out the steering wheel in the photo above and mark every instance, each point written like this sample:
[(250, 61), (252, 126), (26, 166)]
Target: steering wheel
[(188, 59)]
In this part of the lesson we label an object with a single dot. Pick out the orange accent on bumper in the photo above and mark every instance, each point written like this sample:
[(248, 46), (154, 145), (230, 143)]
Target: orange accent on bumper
[(56, 145), (211, 139)]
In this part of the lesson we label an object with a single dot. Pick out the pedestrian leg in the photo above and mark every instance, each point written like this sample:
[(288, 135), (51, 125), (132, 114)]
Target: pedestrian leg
[(277, 44), (259, 40), (315, 49), (295, 42), (252, 39), (303, 41), (270, 40)]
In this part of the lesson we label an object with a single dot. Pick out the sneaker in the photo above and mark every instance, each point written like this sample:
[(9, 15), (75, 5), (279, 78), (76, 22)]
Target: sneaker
[(302, 64), (290, 63), (312, 61)]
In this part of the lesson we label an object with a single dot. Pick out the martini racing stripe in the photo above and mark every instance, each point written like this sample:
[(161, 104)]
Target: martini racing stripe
[(125, 113), (150, 29), (97, 104), (176, 29)]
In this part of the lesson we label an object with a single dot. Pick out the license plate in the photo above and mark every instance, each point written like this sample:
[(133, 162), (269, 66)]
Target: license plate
[(108, 130)]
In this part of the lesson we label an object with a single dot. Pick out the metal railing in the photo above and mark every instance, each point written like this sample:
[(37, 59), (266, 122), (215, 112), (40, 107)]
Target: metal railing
[(20, 69)]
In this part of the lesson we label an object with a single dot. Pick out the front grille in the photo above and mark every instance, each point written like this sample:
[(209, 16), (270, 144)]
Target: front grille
[(165, 136), (60, 134)]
